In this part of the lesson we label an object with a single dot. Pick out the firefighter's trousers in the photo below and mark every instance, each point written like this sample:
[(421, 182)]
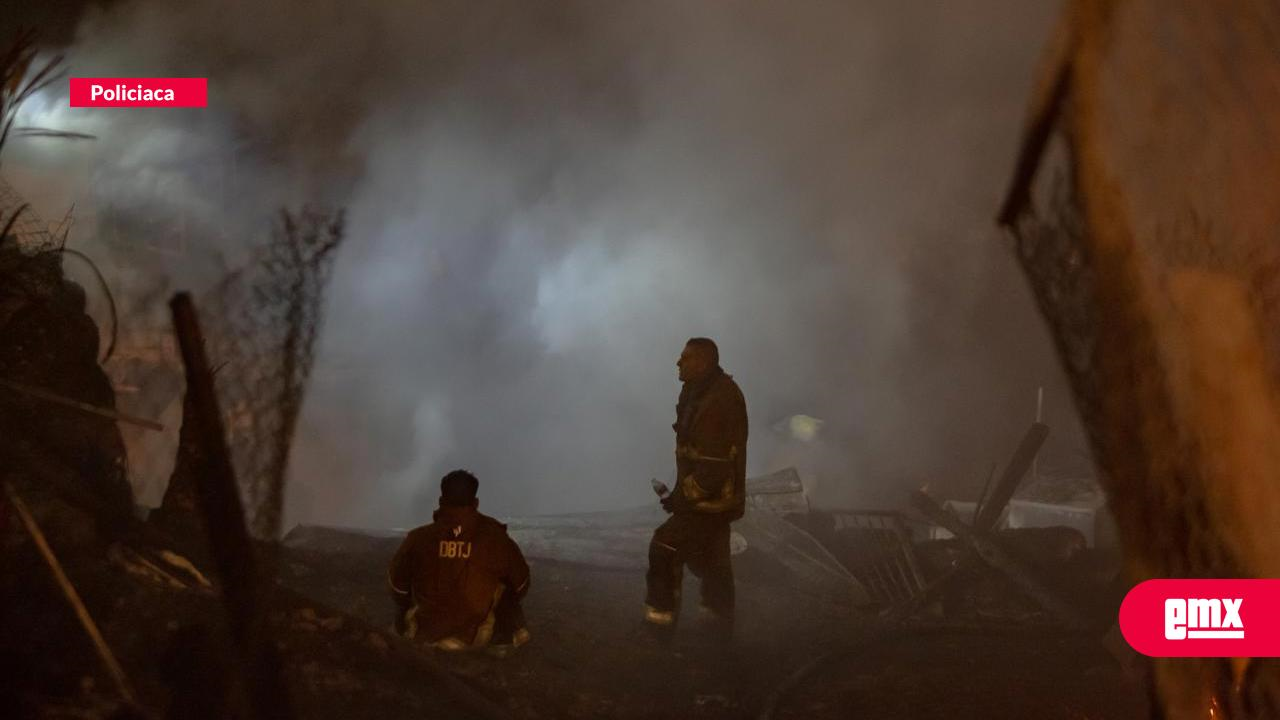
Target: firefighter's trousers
[(701, 542)]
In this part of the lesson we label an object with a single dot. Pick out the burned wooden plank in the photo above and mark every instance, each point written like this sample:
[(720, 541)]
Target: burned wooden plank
[(229, 543), (1013, 473)]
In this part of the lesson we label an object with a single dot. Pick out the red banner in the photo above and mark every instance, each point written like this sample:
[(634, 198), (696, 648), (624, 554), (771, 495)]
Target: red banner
[(1203, 618), (139, 92)]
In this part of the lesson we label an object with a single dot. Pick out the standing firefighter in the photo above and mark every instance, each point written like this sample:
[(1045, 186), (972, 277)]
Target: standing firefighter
[(458, 581), (710, 492)]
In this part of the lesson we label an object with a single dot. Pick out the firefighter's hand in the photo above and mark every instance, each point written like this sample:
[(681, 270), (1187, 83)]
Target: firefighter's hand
[(668, 502)]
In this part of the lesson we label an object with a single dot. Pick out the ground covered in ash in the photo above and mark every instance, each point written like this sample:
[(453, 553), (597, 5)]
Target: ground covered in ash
[(329, 616), (591, 658), (951, 673)]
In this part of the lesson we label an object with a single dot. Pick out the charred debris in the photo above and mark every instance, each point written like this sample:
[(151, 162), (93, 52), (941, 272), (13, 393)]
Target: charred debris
[(198, 612), (195, 612)]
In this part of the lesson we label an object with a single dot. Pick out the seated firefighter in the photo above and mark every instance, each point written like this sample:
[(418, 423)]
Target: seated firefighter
[(458, 581)]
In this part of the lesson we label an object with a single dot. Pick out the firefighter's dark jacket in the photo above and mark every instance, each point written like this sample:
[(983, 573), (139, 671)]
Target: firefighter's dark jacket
[(711, 447), (451, 569)]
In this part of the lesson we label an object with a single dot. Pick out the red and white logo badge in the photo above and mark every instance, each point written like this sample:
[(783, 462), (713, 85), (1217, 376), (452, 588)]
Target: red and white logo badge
[(1203, 618), (139, 92)]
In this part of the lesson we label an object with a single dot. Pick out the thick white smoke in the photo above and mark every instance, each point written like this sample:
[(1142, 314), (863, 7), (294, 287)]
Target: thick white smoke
[(546, 200)]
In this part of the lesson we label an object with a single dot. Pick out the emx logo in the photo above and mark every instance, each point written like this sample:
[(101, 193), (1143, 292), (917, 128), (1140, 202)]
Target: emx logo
[(1203, 618)]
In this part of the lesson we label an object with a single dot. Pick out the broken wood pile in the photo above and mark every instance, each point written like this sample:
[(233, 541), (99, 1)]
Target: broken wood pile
[(1009, 574), (878, 548)]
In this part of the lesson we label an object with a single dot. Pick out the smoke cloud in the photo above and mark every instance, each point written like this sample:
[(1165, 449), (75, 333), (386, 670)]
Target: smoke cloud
[(547, 199)]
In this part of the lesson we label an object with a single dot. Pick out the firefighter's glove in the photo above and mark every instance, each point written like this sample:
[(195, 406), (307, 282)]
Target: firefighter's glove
[(668, 502)]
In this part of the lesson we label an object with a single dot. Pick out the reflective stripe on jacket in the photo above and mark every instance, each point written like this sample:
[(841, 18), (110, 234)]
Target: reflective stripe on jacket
[(449, 570)]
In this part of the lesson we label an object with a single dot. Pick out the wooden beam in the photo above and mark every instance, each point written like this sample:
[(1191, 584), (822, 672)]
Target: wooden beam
[(229, 542), (1018, 466)]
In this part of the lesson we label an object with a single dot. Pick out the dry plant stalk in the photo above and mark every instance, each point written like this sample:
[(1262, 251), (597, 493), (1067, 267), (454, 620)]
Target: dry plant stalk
[(73, 598)]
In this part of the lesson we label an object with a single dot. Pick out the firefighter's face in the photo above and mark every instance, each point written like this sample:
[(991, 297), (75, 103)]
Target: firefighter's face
[(693, 364)]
